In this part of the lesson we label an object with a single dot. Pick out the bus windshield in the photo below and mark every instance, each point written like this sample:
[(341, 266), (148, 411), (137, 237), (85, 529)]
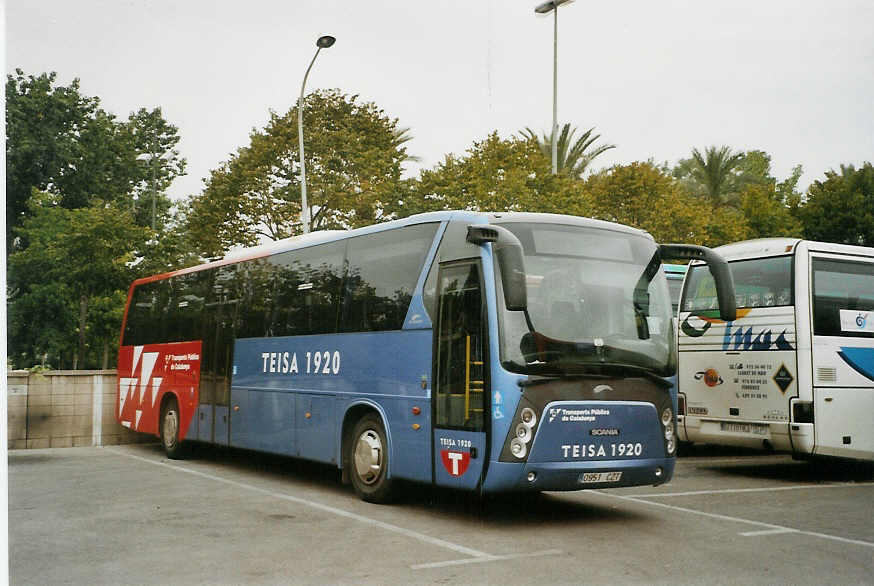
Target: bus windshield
[(761, 282), (598, 302)]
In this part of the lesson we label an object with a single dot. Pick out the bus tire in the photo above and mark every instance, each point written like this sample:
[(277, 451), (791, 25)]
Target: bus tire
[(368, 460), (170, 425)]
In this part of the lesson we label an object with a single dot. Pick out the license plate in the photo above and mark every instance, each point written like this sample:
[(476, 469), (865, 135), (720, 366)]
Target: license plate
[(595, 477), (754, 428)]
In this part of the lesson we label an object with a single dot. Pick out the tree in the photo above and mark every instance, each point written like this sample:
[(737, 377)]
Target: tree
[(496, 175), (155, 139), (42, 122), (353, 155), (711, 174), (75, 261), (62, 142), (643, 196), (767, 214), (841, 208), (572, 156)]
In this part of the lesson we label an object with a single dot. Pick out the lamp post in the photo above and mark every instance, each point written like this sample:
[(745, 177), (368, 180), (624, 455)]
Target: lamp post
[(150, 157), (546, 8), (322, 43)]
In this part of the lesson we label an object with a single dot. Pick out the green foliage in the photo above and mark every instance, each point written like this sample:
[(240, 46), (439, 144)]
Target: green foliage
[(766, 212), (159, 162), (643, 195), (74, 260), (711, 174), (747, 200), (495, 175), (61, 141), (726, 224), (353, 156), (42, 122), (170, 249), (572, 156), (754, 168), (841, 208)]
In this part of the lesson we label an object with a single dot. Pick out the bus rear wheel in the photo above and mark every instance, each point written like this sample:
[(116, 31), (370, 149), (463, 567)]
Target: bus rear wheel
[(368, 460), (170, 424)]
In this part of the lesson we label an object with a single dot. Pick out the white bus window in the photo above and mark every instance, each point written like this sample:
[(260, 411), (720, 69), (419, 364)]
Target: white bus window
[(761, 282), (841, 286)]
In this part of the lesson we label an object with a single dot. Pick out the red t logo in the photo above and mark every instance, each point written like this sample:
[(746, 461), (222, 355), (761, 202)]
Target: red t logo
[(456, 463)]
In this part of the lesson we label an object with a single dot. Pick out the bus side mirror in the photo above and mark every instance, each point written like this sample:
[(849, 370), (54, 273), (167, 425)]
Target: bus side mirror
[(718, 268), (511, 262)]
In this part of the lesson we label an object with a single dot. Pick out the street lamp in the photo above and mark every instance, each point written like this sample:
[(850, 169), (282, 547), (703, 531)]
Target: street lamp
[(546, 8), (166, 155), (322, 43)]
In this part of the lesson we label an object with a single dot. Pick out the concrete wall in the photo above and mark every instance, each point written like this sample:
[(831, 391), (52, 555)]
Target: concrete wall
[(65, 408)]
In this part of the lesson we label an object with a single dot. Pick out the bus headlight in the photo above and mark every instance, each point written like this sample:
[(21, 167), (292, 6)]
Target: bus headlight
[(523, 432), (668, 424), (529, 417), (517, 447), (667, 416)]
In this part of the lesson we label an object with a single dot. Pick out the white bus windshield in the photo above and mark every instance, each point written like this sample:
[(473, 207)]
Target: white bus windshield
[(598, 300), (761, 282)]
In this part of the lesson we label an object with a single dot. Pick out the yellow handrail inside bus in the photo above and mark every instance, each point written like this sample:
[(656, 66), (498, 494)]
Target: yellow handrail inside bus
[(467, 382)]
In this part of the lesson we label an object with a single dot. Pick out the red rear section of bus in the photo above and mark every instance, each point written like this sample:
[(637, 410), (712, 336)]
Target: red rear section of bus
[(147, 374)]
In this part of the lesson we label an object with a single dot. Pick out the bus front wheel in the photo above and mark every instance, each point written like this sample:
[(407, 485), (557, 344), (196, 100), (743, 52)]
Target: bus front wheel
[(368, 460), (170, 430)]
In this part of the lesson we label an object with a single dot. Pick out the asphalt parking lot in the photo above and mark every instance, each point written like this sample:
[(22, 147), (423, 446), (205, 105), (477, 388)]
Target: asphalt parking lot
[(127, 515)]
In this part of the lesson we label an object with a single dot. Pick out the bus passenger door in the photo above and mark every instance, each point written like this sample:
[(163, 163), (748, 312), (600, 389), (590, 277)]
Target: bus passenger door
[(460, 377), (842, 298)]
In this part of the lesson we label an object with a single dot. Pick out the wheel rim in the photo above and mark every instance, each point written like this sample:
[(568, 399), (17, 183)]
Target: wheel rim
[(368, 457), (171, 426)]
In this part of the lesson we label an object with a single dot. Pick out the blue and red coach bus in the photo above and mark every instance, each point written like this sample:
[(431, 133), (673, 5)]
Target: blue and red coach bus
[(482, 351)]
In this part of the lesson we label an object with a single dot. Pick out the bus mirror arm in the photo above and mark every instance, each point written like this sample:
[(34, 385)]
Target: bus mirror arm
[(511, 262), (718, 268)]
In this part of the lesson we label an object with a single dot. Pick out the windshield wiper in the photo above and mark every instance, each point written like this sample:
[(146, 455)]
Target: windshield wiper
[(537, 368), (594, 370)]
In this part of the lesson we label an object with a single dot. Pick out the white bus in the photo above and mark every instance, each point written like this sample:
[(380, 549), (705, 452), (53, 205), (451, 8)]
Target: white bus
[(795, 370)]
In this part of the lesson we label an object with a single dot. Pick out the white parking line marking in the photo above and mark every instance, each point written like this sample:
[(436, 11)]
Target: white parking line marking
[(492, 558), (315, 505), (742, 490), (735, 519), (767, 532), (476, 555)]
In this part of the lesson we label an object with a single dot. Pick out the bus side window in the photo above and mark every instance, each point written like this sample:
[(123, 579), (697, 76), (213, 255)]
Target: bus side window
[(308, 286), (381, 273), (257, 299), (840, 285)]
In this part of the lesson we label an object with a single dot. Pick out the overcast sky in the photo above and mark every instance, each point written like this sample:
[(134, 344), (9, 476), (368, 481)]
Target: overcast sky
[(794, 78)]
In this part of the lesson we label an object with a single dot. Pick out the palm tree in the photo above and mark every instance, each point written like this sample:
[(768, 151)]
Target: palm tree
[(573, 155), (401, 136), (713, 172)]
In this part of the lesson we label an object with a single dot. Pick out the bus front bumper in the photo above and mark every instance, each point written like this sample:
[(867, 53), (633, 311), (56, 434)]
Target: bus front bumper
[(562, 476)]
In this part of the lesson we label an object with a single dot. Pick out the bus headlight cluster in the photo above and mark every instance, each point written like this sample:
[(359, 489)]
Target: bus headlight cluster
[(524, 432), (529, 417), (668, 425)]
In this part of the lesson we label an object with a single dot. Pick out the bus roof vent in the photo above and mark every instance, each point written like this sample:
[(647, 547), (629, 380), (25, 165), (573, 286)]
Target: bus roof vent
[(827, 374)]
